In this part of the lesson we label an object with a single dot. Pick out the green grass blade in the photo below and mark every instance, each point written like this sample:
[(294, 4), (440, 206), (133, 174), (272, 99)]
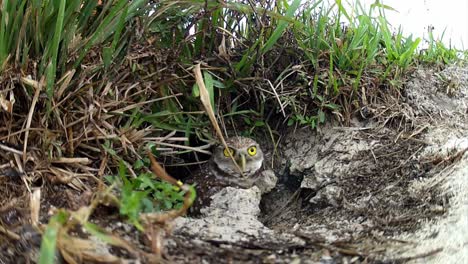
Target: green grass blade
[(209, 87), (102, 31), (49, 239), (52, 66), (3, 31), (281, 26)]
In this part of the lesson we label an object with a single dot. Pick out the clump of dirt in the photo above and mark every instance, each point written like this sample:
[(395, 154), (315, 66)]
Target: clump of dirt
[(355, 175), (439, 94)]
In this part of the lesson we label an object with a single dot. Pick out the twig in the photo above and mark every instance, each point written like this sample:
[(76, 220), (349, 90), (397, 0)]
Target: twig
[(9, 233), (418, 256), (130, 107), (38, 88), (277, 98), (10, 149), (184, 147), (71, 160)]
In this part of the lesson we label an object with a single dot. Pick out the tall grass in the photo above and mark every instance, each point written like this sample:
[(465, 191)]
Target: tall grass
[(336, 45), (438, 53), (336, 50), (57, 35)]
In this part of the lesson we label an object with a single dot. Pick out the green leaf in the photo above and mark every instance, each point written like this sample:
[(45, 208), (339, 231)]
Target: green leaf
[(209, 87), (148, 206), (331, 106), (146, 182), (138, 164), (321, 116), (50, 79), (195, 91), (49, 239), (343, 10), (259, 123), (167, 204), (119, 28), (122, 169), (97, 231), (110, 179), (158, 195), (52, 66), (219, 84), (107, 56), (377, 4), (281, 26), (312, 124)]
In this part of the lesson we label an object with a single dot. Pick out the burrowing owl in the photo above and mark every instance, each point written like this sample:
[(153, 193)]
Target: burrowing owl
[(221, 170)]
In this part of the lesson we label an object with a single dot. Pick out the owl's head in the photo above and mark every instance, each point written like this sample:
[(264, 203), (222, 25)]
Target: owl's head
[(246, 153)]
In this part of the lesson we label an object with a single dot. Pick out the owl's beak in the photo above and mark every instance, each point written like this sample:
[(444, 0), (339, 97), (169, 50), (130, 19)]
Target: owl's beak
[(242, 162)]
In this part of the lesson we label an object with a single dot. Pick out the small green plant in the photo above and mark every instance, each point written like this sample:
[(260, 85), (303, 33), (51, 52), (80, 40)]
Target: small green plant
[(144, 194), (437, 52), (253, 124), (312, 121)]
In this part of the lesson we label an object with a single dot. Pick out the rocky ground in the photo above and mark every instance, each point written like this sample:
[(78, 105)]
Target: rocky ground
[(389, 188)]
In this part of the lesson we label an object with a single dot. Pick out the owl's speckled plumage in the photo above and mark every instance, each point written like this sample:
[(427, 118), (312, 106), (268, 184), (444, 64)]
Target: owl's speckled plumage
[(221, 171)]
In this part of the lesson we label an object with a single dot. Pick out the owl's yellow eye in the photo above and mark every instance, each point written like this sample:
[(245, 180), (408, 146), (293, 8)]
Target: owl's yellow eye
[(228, 152), (252, 151)]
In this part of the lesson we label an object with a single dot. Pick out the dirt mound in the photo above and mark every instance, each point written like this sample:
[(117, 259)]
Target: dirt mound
[(360, 193)]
